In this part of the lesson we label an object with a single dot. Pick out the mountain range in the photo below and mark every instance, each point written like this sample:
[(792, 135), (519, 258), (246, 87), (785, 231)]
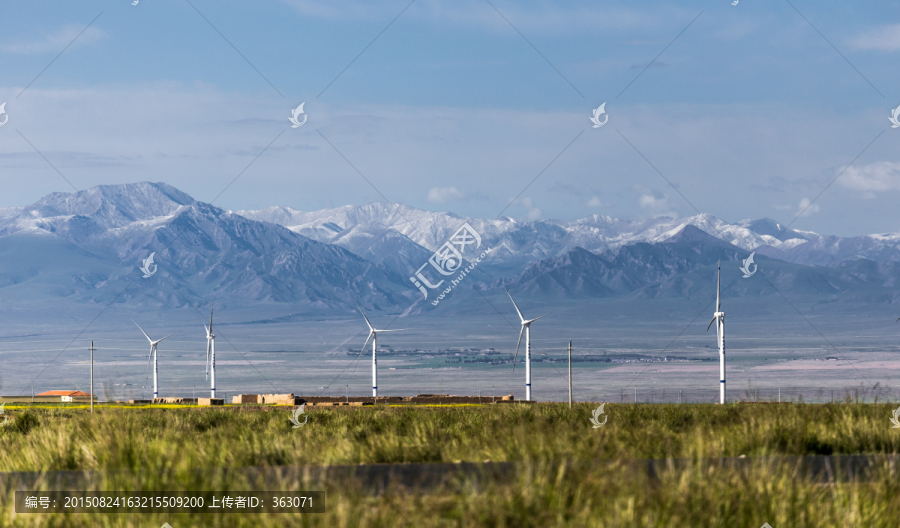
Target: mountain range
[(356, 227), (88, 246)]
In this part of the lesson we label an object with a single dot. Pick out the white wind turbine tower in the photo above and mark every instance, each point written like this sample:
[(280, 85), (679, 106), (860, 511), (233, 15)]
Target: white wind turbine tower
[(719, 319), (526, 328), (153, 356), (211, 357), (373, 335)]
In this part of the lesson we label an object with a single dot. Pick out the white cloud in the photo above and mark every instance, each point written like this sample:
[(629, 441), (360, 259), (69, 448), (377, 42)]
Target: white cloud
[(804, 208), (879, 176), (445, 194), (882, 38), (594, 201), (54, 42), (533, 212), (656, 204), (648, 201)]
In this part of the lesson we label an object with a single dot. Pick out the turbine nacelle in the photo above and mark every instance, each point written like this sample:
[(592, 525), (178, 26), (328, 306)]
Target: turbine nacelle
[(719, 313), (372, 330), (716, 316), (209, 334), (152, 342), (528, 322)]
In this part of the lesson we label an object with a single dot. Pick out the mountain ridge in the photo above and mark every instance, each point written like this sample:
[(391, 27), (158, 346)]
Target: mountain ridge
[(202, 252), (539, 239), (88, 246)]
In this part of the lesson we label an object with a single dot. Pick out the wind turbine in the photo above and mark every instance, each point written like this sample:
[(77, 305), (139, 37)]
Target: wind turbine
[(153, 356), (526, 328), (211, 357), (373, 335), (719, 319)]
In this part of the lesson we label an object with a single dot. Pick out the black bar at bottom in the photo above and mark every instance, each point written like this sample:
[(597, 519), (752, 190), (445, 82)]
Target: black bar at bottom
[(170, 502)]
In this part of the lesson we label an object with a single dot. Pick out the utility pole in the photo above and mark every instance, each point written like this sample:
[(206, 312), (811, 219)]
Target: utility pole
[(570, 373), (92, 377)]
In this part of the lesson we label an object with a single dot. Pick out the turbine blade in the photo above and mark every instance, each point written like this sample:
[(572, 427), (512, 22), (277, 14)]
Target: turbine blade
[(371, 328), (150, 357), (533, 320), (522, 331), (158, 341), (710, 323), (719, 289), (142, 331), (210, 320), (392, 330), (208, 347), (363, 349), (516, 305)]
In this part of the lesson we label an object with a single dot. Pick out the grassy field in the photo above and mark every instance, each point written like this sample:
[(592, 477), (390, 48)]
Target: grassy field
[(553, 485)]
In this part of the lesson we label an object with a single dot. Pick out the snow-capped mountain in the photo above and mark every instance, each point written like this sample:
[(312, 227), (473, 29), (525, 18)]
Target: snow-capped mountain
[(622, 270), (685, 265), (361, 229), (89, 245)]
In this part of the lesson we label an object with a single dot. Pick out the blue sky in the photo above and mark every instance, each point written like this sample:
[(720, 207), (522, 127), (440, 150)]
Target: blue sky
[(749, 113)]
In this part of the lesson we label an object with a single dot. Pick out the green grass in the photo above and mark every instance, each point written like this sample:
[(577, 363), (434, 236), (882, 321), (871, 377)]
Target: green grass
[(162, 449)]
